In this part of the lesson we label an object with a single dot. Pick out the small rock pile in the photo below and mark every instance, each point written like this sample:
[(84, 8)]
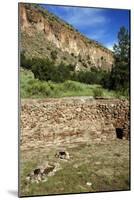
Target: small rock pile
[(40, 174)]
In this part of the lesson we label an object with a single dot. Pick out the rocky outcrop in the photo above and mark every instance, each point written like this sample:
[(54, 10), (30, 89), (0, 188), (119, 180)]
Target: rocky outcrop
[(72, 120), (43, 32)]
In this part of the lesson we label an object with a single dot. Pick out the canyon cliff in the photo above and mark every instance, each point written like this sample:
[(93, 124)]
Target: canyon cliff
[(44, 35)]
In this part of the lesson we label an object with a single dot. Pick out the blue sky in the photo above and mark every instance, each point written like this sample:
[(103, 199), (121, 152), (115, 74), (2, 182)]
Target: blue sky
[(95, 23)]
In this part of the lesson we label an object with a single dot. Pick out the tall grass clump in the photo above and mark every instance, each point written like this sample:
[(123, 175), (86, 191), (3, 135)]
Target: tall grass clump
[(97, 92), (72, 86)]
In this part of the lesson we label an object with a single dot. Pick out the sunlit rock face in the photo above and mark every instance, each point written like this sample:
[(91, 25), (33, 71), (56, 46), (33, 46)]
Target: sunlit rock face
[(42, 32)]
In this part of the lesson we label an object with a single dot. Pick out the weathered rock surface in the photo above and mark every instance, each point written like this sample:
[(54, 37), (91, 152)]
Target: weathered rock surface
[(42, 32)]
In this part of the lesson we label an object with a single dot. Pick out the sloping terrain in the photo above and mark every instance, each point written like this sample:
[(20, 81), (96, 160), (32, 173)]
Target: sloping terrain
[(45, 35)]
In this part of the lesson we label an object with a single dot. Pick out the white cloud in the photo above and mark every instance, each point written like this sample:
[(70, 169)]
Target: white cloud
[(84, 16), (79, 16)]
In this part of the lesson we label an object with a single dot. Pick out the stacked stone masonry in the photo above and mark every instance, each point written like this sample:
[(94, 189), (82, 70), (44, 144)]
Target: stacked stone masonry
[(69, 120)]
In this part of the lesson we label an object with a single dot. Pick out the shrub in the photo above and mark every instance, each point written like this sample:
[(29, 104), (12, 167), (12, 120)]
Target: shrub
[(72, 86), (24, 62), (62, 73), (46, 70), (97, 92), (119, 77), (54, 55), (48, 48), (105, 81), (64, 58), (94, 76), (38, 88), (79, 58), (72, 54), (122, 93), (43, 69)]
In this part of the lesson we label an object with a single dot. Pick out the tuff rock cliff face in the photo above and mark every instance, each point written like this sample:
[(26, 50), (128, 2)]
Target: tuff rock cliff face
[(42, 33)]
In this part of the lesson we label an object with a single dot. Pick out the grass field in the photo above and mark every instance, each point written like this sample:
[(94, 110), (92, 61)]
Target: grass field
[(104, 166), (34, 88)]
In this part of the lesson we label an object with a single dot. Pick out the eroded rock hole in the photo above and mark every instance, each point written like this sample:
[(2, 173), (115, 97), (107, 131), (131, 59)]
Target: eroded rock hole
[(119, 133), (36, 171), (62, 155)]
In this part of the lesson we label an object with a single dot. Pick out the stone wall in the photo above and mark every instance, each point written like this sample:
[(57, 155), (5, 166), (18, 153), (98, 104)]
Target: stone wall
[(69, 120)]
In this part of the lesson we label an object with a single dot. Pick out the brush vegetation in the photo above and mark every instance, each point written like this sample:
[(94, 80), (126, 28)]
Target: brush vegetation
[(57, 80), (31, 87)]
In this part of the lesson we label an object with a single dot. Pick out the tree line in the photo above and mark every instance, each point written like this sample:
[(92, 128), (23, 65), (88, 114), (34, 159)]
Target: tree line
[(117, 79)]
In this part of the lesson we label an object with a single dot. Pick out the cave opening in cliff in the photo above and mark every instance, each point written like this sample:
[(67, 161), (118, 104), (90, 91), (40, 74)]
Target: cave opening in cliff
[(119, 133)]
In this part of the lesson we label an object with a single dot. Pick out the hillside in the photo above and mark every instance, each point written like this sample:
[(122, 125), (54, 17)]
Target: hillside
[(45, 35)]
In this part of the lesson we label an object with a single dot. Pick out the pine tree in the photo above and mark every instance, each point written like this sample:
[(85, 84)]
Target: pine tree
[(122, 49), (119, 77)]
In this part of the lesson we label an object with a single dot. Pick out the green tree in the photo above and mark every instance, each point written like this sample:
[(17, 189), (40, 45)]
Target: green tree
[(43, 69), (122, 48), (25, 62), (119, 77)]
